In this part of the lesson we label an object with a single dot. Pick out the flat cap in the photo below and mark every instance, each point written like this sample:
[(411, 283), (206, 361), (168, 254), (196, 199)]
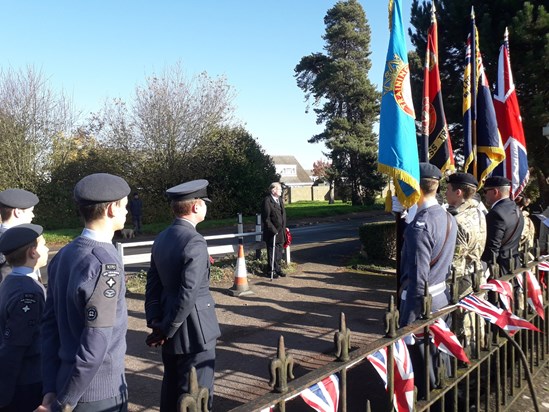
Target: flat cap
[(100, 188), (18, 198), (19, 236), (429, 171), (497, 181), (459, 178), (195, 189)]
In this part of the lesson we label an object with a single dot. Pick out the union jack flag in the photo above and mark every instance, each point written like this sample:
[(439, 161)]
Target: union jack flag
[(544, 266), (504, 289), (499, 317), (403, 397), (535, 295), (515, 167), (404, 378), (378, 360), (324, 395), (445, 340)]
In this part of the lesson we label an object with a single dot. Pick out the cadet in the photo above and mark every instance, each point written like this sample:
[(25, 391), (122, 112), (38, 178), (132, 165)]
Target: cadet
[(471, 237), (178, 304), (471, 232), (504, 223), (427, 251), (85, 319), (21, 306), (16, 207)]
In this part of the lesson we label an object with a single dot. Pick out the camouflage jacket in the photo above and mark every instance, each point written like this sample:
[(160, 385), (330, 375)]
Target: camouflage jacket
[(471, 237)]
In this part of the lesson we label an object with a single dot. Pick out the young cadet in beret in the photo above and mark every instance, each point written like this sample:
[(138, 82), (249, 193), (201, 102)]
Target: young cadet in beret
[(21, 306), (504, 224), (178, 304), (16, 207), (427, 252), (85, 318)]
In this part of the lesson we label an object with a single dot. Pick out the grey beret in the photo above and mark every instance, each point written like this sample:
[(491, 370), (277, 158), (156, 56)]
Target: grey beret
[(18, 198), (497, 181), (429, 171), (100, 188), (462, 179), (19, 236), (195, 189)]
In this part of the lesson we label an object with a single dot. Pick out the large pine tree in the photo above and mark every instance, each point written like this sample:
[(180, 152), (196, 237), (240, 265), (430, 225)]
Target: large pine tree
[(528, 23), (345, 100)]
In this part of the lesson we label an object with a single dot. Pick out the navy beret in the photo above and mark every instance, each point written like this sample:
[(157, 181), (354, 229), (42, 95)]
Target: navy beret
[(462, 179), (100, 188), (195, 189), (497, 181), (18, 198), (429, 171), (19, 236)]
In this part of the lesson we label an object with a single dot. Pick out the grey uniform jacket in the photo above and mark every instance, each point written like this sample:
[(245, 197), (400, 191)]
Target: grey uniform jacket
[(178, 290), (427, 252), (504, 223)]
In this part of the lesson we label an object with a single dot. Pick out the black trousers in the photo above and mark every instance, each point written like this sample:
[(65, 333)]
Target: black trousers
[(176, 377), (277, 255)]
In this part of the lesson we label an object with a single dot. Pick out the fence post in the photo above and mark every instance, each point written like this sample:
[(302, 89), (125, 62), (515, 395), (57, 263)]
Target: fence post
[(258, 237), (120, 249), (240, 228)]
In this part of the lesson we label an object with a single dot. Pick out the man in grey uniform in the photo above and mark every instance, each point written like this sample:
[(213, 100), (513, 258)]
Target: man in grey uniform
[(427, 252), (178, 304), (16, 208)]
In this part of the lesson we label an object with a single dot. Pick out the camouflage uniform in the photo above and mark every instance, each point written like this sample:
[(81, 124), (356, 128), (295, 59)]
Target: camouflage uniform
[(528, 232), (470, 242), (471, 238)]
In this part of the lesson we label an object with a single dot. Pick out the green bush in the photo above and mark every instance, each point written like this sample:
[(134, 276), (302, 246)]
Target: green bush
[(378, 240)]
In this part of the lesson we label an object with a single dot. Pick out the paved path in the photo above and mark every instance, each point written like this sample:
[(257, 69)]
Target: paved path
[(305, 308)]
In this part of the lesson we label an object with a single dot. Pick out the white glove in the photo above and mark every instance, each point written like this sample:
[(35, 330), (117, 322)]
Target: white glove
[(397, 206)]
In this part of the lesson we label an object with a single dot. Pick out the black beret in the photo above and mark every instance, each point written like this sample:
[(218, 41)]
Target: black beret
[(497, 181), (195, 189), (429, 171), (100, 188), (18, 198), (19, 236), (462, 179)]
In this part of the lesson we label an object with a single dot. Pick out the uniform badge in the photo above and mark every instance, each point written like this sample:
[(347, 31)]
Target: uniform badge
[(109, 293), (91, 314), (7, 333), (111, 282), (110, 266), (25, 308)]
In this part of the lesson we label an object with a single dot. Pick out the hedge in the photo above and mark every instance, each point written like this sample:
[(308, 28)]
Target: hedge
[(378, 240)]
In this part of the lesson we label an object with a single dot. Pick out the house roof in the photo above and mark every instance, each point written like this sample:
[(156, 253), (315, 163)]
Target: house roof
[(290, 170)]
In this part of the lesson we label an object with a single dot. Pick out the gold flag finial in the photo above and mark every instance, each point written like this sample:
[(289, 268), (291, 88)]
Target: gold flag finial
[(391, 7)]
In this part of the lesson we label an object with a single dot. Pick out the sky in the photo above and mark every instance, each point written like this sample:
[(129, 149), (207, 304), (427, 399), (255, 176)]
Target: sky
[(103, 49)]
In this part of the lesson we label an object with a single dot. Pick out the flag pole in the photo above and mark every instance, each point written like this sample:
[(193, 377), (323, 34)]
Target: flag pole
[(474, 84)]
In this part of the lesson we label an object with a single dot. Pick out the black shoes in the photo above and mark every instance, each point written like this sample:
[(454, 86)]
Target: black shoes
[(281, 274)]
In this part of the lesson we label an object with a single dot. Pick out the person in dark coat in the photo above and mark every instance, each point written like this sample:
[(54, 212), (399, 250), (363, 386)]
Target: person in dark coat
[(427, 253), (504, 224), (273, 218), (22, 299), (179, 307), (16, 207), (136, 210)]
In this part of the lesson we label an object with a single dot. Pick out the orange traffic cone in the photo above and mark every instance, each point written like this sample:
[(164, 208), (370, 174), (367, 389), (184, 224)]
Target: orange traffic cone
[(240, 286)]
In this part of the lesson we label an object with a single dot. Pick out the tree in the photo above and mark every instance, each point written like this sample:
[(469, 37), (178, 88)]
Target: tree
[(168, 118), (324, 171), (345, 100), (237, 168), (31, 116), (528, 23)]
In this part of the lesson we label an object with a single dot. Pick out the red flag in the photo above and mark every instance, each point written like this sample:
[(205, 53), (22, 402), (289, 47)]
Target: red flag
[(535, 295), (504, 289), (515, 167), (434, 128), (445, 340)]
